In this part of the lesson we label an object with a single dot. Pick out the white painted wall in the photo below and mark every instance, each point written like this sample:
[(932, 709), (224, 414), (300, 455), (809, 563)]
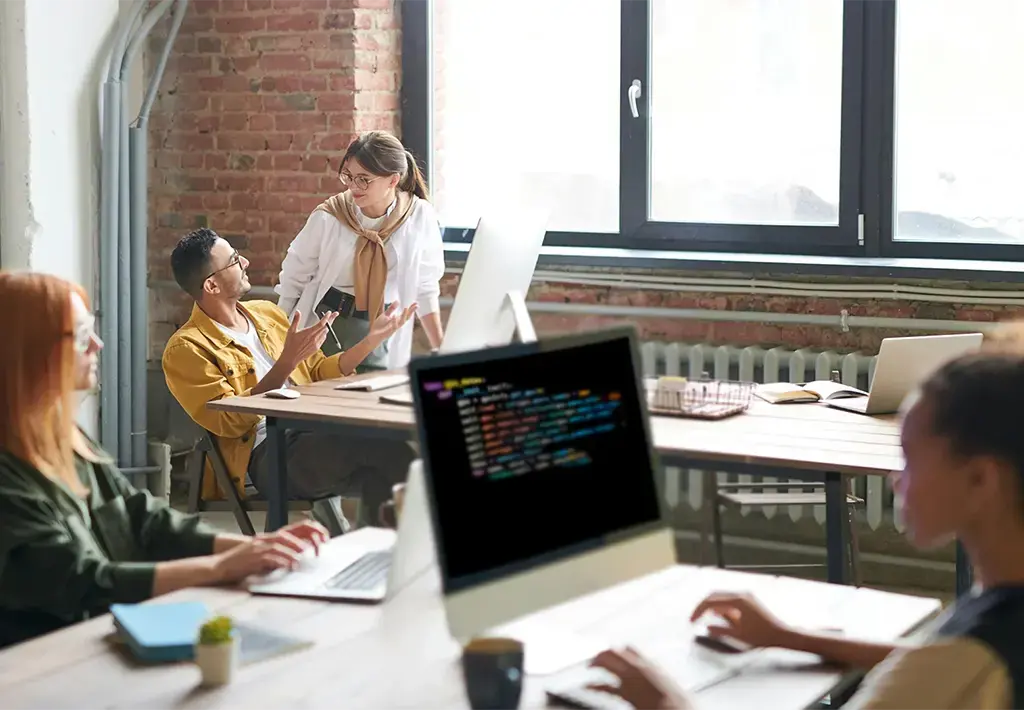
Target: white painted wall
[(51, 52)]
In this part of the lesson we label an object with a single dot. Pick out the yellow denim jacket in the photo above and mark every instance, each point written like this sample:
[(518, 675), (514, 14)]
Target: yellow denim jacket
[(201, 364)]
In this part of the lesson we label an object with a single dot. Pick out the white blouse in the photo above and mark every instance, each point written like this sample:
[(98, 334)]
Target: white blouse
[(322, 255)]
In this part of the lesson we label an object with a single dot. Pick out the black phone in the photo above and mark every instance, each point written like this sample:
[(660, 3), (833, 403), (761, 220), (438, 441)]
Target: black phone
[(721, 645), (337, 300)]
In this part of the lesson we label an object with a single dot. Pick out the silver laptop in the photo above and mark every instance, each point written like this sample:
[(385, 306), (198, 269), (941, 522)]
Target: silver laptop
[(369, 565), (902, 365)]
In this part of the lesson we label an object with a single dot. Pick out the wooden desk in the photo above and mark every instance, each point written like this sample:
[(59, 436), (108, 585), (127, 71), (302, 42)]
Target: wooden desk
[(794, 441), (400, 655)]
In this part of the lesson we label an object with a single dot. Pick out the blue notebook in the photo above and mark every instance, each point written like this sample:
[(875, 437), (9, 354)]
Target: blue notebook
[(161, 633)]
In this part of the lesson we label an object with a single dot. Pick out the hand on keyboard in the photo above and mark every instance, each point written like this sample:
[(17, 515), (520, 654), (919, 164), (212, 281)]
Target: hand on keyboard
[(630, 681), (573, 686)]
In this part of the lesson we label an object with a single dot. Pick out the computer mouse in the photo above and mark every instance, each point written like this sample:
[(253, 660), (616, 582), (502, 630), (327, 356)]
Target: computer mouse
[(283, 393), (720, 644)]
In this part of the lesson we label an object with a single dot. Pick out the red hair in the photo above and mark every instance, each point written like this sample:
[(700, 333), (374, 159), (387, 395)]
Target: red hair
[(37, 374)]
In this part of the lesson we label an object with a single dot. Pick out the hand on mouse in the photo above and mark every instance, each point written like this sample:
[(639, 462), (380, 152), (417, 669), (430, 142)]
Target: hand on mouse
[(641, 683), (745, 619)]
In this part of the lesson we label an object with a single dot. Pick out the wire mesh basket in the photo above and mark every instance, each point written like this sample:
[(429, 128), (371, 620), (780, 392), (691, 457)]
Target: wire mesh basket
[(698, 399)]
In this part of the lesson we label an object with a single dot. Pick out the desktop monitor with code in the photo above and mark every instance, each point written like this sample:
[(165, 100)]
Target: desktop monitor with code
[(540, 475)]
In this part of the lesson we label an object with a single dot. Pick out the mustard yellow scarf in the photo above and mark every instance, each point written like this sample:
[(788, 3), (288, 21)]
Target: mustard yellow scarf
[(370, 268)]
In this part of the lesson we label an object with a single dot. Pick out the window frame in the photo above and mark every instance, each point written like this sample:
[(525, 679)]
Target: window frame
[(868, 132)]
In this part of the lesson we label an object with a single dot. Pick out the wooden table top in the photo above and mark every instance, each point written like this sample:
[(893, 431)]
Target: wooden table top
[(812, 437), (400, 655)]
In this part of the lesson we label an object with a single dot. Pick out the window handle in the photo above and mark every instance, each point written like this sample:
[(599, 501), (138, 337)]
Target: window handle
[(634, 93)]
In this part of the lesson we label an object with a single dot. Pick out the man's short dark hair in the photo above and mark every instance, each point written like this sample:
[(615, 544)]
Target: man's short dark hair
[(190, 260)]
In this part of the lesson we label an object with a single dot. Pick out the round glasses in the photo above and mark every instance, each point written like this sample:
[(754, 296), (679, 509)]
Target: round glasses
[(360, 182)]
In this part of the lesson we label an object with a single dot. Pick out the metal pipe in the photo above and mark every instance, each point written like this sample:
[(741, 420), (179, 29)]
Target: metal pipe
[(109, 291), (137, 180), (137, 41), (124, 304), (161, 65), (108, 282), (139, 444)]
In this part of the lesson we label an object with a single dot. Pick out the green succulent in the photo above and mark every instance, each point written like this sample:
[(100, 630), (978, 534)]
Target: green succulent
[(216, 631)]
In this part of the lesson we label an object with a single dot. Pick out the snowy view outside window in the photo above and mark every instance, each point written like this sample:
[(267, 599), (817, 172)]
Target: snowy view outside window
[(745, 104), (960, 120)]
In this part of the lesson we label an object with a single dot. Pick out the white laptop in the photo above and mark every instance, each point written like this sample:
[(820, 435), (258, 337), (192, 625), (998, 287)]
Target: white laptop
[(368, 565), (902, 365)]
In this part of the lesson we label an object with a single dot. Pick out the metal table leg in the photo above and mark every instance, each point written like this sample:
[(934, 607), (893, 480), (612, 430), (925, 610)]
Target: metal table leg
[(964, 574), (835, 528), (277, 495)]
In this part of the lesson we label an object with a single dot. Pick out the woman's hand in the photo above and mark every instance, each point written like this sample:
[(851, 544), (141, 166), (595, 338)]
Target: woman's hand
[(641, 684), (300, 536), (265, 553), (388, 322), (745, 620)]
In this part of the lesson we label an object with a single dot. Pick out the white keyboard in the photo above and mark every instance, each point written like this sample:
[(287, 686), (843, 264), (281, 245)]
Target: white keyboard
[(692, 667), (372, 384), (570, 687)]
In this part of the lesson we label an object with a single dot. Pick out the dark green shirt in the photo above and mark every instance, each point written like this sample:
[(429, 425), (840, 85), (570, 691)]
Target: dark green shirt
[(64, 558)]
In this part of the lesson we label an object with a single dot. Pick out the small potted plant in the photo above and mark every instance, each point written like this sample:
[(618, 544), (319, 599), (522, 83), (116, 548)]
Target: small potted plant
[(216, 651)]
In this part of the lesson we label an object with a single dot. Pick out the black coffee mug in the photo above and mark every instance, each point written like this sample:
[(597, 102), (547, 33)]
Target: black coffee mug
[(493, 673)]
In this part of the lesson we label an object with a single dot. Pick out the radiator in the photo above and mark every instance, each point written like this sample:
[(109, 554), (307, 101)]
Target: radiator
[(755, 364)]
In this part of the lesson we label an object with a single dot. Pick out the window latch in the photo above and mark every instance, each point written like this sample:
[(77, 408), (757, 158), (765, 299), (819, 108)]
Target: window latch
[(633, 93)]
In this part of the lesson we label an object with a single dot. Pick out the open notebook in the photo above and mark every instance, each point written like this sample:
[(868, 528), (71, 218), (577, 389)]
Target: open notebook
[(820, 391)]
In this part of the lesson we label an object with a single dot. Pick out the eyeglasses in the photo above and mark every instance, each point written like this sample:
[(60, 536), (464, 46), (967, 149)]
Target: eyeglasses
[(360, 181), (236, 259), (83, 335)]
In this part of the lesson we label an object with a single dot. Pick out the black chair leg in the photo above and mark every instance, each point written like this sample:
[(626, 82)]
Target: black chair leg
[(220, 471), (716, 522), (195, 465)]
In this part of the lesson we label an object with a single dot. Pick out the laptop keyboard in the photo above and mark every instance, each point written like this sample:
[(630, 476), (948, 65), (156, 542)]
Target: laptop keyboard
[(366, 573)]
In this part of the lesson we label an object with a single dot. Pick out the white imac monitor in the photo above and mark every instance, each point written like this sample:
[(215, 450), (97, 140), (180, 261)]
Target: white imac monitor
[(540, 478), (490, 304)]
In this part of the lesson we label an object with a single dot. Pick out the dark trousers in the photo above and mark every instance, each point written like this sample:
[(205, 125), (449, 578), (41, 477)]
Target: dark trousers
[(323, 465)]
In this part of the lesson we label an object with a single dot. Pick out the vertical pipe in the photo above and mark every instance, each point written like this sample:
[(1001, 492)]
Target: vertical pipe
[(108, 268), (124, 309), (139, 321), (110, 275), (135, 183)]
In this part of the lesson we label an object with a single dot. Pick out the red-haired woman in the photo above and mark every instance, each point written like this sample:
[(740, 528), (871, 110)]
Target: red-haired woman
[(75, 536)]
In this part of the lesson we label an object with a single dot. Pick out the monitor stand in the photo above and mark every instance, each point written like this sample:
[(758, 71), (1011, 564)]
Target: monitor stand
[(524, 331)]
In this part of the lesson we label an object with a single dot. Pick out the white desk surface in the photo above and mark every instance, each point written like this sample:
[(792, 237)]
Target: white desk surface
[(399, 655)]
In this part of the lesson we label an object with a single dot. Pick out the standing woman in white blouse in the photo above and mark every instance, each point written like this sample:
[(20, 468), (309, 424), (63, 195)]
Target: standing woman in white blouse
[(373, 248)]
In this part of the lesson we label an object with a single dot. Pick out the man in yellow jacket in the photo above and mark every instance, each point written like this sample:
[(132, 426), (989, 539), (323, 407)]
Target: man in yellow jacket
[(228, 348)]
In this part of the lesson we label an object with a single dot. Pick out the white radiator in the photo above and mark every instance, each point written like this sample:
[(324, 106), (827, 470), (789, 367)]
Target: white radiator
[(755, 364)]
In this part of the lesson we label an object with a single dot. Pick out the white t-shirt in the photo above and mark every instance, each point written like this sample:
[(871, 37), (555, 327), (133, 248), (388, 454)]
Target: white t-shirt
[(261, 362), (344, 282)]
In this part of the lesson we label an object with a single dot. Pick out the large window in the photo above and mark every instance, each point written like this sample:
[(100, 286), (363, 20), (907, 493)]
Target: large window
[(848, 128), (959, 121), (528, 108)]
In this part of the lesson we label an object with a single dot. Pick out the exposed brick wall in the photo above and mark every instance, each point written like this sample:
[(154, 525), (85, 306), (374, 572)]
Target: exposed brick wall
[(259, 100)]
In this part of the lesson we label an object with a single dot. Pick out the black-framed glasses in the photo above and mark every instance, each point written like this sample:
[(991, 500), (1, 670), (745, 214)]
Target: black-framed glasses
[(359, 181), (236, 259)]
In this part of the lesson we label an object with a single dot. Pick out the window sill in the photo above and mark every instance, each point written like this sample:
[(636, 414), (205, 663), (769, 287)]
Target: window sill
[(776, 264)]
